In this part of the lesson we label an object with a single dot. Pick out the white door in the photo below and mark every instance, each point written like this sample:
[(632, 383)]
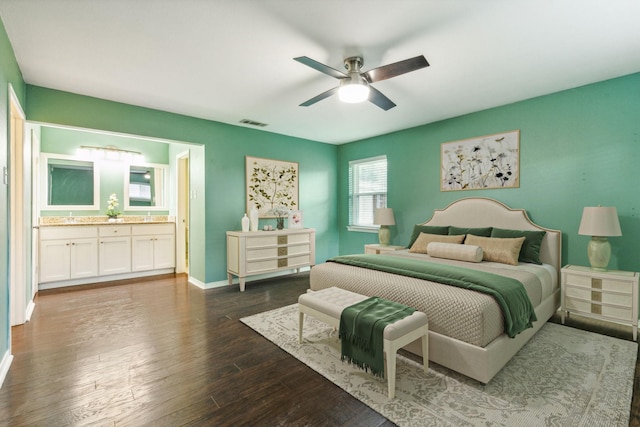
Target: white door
[(19, 229), (55, 260), (141, 253), (182, 223), (35, 198), (115, 255), (164, 251), (84, 258)]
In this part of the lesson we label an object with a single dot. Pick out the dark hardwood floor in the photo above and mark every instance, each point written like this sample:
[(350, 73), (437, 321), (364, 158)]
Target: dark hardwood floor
[(164, 353)]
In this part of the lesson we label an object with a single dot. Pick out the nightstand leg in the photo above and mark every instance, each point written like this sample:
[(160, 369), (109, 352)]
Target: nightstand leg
[(635, 332)]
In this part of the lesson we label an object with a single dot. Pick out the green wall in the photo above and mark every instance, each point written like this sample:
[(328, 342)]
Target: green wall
[(222, 196), (67, 141), (9, 74), (578, 148)]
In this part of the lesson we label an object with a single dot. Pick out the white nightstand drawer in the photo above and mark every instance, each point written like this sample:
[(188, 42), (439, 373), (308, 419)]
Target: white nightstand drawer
[(606, 295), (599, 283), (611, 311), (598, 296)]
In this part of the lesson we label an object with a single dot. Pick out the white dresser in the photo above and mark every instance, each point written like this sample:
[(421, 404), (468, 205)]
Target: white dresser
[(258, 252), (607, 295)]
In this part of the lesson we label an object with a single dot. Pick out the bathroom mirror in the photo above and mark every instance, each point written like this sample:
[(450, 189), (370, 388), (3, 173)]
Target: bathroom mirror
[(146, 187), (68, 184)]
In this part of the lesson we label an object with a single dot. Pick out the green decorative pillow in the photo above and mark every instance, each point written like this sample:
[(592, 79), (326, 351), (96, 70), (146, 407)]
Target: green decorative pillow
[(530, 251), (481, 231), (429, 229)]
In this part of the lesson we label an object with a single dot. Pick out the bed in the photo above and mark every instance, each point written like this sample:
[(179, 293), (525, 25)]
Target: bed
[(467, 328)]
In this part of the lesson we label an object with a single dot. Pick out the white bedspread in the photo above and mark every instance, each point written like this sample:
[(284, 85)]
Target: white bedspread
[(463, 314)]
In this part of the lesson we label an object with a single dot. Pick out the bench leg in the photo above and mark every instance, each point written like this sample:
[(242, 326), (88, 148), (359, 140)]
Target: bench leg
[(300, 324), (391, 373), (425, 351)]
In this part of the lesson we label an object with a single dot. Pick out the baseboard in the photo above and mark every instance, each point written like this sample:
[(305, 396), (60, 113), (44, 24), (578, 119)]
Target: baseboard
[(223, 283), (196, 282), (30, 308), (100, 279), (5, 365)]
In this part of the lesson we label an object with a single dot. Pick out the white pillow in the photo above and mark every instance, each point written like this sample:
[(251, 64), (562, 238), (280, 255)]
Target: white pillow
[(470, 253)]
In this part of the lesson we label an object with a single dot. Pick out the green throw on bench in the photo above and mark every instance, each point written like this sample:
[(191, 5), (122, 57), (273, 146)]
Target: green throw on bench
[(362, 331)]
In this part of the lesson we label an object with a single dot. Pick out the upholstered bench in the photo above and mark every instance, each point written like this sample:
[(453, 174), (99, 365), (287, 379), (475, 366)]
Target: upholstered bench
[(327, 305)]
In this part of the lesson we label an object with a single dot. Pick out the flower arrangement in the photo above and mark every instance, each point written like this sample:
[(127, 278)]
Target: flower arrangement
[(112, 206), (280, 212)]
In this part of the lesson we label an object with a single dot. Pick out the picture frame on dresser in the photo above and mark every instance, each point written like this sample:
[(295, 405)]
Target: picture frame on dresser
[(295, 219)]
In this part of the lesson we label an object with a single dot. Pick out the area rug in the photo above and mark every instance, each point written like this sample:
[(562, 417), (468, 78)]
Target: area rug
[(562, 377)]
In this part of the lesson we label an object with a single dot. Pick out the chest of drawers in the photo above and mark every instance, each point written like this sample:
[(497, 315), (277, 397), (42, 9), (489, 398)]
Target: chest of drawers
[(606, 295), (259, 252)]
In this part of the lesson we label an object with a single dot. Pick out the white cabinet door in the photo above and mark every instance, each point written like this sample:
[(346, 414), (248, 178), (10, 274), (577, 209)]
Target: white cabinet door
[(142, 253), (84, 258), (115, 255), (54, 260), (164, 251)]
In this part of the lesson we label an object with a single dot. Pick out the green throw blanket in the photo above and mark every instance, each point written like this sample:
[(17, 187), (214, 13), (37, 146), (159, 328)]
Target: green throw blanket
[(362, 331), (518, 312)]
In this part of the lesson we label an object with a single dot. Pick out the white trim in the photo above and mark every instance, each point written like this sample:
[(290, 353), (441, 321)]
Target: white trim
[(100, 279), (363, 229), (195, 282), (5, 365), (30, 309)]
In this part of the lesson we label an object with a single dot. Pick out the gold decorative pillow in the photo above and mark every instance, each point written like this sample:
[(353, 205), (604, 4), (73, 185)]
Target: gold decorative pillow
[(420, 245), (503, 250)]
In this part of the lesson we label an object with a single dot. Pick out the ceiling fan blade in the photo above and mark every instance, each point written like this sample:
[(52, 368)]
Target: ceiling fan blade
[(376, 97), (321, 67), (320, 97), (395, 69)]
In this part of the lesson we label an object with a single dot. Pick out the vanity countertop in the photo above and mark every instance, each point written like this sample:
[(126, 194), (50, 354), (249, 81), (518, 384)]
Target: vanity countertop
[(57, 221)]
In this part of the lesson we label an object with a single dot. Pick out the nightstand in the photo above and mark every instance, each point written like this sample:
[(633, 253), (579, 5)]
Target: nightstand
[(376, 248), (606, 295)]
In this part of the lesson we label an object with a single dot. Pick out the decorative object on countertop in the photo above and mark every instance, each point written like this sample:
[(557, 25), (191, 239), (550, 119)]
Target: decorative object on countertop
[(280, 212), (295, 219), (271, 183), (384, 218), (245, 223), (599, 222), (112, 207), (253, 218)]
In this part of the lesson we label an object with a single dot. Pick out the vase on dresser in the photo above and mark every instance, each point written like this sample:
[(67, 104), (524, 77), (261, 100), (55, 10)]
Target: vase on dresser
[(253, 218), (245, 223)]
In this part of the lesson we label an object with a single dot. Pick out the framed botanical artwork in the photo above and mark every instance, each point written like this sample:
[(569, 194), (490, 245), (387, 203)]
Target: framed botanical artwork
[(272, 186), (491, 161), (295, 219)]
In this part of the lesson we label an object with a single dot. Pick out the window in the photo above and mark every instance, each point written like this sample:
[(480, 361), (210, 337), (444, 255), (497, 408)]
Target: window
[(367, 190)]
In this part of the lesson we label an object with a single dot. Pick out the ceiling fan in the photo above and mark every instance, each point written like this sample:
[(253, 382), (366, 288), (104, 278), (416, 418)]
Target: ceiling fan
[(355, 86)]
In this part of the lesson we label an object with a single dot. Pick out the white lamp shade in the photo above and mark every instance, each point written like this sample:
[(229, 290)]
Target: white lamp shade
[(601, 221), (384, 216)]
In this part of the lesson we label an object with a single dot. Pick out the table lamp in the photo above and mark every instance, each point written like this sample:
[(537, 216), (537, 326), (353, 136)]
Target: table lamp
[(384, 218), (599, 222)]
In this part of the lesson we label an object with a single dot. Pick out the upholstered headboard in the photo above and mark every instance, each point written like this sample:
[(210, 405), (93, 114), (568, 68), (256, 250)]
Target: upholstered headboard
[(484, 212)]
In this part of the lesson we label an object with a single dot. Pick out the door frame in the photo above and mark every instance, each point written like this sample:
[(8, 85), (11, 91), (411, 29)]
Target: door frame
[(182, 214), (19, 260)]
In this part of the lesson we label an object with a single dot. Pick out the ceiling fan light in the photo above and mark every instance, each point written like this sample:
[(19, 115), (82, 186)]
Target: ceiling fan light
[(353, 93)]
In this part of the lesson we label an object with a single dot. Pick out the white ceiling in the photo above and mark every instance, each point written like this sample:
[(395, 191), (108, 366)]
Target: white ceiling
[(232, 60)]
